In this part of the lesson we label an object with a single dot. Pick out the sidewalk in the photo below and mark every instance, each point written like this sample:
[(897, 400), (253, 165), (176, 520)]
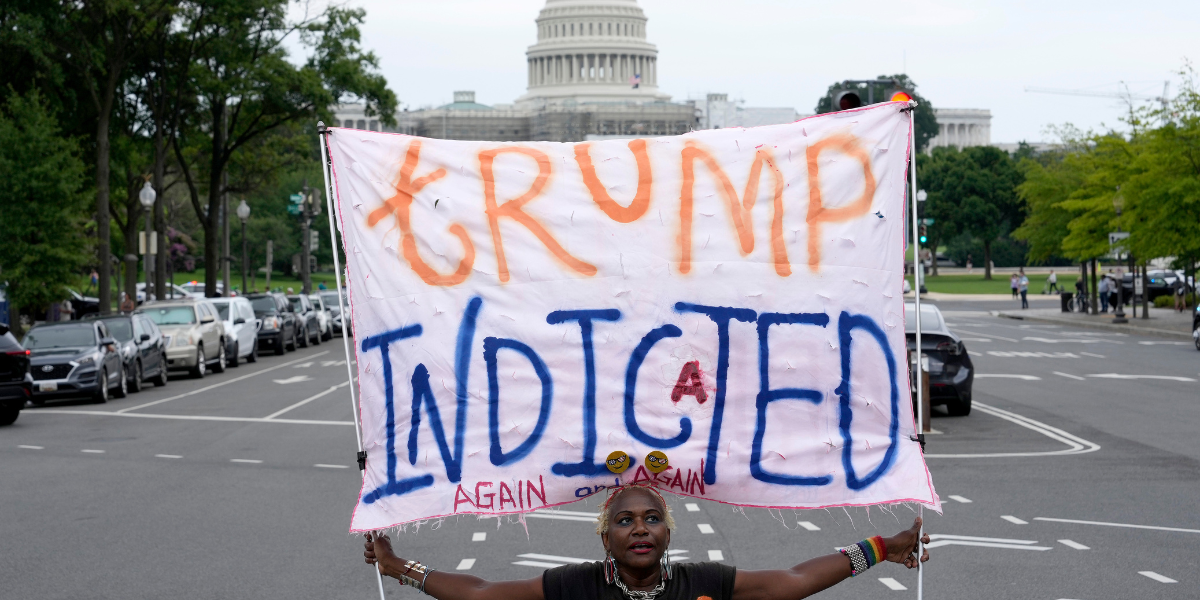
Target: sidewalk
[(1163, 322)]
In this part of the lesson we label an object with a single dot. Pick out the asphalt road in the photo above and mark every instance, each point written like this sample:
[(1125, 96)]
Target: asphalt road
[(1076, 476)]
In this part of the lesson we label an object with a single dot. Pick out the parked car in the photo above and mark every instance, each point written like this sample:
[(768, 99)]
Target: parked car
[(16, 384), (324, 316), (1196, 327), (143, 349), (279, 326), (330, 299), (74, 358), (241, 329), (195, 336), (306, 316), (83, 305), (951, 373), (172, 293), (195, 289)]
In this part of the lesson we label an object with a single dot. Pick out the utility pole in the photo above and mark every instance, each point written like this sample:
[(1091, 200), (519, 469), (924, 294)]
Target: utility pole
[(226, 257), (270, 261), (306, 240)]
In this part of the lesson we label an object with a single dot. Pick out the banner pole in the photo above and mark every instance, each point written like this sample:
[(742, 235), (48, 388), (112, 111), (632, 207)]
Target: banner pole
[(912, 155), (326, 164)]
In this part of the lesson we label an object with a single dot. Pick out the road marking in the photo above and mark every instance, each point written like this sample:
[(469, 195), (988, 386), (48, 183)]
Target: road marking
[(1092, 355), (705, 528), (692, 507), (716, 555), (996, 337), (1014, 520), (294, 379), (479, 536), (167, 456), (809, 526), (974, 353), (303, 365), (1077, 444), (1157, 577), (31, 447), (332, 363), (1127, 525), (1020, 354), (1008, 376), (1067, 341), (216, 385), (465, 564), (1165, 343), (534, 563), (960, 499), (674, 552), (1073, 544), (938, 541), (89, 451), (967, 339), (307, 400), (970, 538), (1069, 376), (53, 411), (249, 461), (892, 584), (565, 515), (1119, 376), (325, 466), (558, 559)]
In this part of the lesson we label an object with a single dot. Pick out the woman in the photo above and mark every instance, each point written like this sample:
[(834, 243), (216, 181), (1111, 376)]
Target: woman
[(635, 528)]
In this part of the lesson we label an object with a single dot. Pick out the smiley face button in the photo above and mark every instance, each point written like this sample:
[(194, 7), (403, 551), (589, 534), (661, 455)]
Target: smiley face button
[(618, 461), (656, 461)]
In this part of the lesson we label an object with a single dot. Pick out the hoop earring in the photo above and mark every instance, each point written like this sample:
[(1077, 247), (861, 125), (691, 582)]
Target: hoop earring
[(665, 561), (610, 569)]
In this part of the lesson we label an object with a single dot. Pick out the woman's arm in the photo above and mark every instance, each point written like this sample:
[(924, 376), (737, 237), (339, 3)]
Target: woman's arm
[(812, 576), (441, 584)]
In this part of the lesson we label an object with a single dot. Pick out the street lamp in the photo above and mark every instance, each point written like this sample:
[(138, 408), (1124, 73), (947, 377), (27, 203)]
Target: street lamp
[(146, 196), (1119, 317), (243, 213)]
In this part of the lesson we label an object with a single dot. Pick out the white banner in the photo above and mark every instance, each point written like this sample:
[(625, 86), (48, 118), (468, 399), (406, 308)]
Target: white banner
[(534, 319)]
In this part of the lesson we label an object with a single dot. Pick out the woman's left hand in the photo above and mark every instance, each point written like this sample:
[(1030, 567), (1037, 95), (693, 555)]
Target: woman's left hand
[(902, 547)]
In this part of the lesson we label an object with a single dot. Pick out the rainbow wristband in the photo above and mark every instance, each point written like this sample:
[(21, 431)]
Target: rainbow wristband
[(865, 554)]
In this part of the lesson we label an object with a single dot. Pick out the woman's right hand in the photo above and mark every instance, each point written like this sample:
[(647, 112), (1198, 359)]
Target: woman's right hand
[(377, 548)]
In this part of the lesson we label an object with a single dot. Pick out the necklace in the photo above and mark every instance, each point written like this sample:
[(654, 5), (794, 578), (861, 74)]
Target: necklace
[(641, 595)]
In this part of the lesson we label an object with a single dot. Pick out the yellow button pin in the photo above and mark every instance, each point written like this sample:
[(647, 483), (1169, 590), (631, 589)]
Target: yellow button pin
[(656, 461), (618, 461)]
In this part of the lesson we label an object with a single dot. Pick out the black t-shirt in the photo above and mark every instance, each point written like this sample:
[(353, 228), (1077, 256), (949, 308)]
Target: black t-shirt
[(689, 581)]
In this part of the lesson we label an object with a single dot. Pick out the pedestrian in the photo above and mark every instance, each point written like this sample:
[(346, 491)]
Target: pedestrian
[(1052, 281), (66, 310), (1023, 287), (1102, 291), (635, 528), (968, 264), (290, 290), (1012, 283), (321, 286), (1180, 294), (127, 304), (1115, 293)]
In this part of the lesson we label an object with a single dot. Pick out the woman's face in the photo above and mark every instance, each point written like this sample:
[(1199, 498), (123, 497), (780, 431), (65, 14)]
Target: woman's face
[(637, 533)]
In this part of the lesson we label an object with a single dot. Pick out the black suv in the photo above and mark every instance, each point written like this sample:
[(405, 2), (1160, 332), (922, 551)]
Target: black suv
[(306, 317), (143, 348), (16, 383), (74, 358), (279, 324)]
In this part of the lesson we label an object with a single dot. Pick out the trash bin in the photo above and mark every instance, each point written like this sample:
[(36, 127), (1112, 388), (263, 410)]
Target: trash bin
[(1066, 300)]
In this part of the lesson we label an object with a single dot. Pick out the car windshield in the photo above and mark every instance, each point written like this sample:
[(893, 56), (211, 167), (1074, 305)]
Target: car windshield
[(331, 299), (171, 315), (222, 309), (60, 337), (262, 305), (297, 305), (931, 318), (122, 329)]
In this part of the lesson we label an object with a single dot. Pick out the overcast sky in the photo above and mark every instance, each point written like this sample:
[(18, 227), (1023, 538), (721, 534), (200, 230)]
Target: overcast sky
[(961, 54)]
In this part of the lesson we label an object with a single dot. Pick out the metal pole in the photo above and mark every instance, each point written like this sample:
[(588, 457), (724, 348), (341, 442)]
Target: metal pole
[(149, 262), (912, 154), (305, 242), (337, 274), (245, 290)]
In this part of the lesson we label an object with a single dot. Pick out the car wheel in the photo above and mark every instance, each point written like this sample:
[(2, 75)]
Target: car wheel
[(101, 395), (135, 382), (233, 358), (253, 356), (317, 337), (8, 416), (328, 333), (959, 408), (304, 338), (1196, 337), (123, 387), (292, 345), (219, 366), (280, 348), (201, 366), (161, 380)]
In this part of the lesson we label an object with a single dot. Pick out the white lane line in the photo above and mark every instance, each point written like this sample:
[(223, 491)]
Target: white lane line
[(986, 335), (1165, 343), (541, 515), (307, 400), (479, 536), (969, 339), (716, 555), (90, 451), (216, 385), (674, 552), (1073, 544), (326, 466), (960, 499), (465, 564), (534, 563), (809, 526), (1157, 577), (1069, 376), (54, 411), (31, 447), (296, 379), (974, 353), (167, 456), (1007, 376), (249, 461), (692, 507), (1077, 444), (892, 584), (1126, 525), (1014, 520), (1092, 355), (705, 528), (558, 559), (940, 543), (969, 538), (1120, 376)]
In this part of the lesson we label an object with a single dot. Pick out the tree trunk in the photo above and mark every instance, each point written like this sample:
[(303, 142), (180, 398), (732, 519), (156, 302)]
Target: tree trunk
[(933, 249), (133, 213), (987, 260), (103, 233), (212, 221), (160, 225), (1093, 288)]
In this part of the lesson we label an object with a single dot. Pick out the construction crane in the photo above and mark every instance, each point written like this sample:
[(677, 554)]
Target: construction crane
[(1128, 97)]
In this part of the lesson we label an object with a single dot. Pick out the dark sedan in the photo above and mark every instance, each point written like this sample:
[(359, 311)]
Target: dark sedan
[(75, 358), (279, 327), (307, 320), (1196, 327), (16, 383), (143, 349), (330, 298), (951, 373)]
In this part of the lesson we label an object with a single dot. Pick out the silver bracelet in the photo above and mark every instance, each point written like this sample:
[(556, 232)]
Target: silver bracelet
[(424, 571), (858, 562)]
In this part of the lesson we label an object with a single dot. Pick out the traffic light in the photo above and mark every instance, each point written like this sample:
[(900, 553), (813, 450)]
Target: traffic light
[(846, 99), (924, 238), (898, 95)]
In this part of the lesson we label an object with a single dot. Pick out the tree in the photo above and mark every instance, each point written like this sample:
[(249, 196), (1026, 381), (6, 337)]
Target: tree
[(43, 200), (925, 119), (1050, 179), (932, 171)]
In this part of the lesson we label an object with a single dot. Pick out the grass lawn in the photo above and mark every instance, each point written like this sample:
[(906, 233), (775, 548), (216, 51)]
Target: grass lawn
[(975, 284), (279, 282)]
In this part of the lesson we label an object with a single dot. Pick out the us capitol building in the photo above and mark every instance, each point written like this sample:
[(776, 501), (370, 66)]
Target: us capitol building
[(593, 75)]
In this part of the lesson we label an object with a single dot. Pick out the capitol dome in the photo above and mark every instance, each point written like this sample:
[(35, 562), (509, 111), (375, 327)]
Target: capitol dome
[(590, 51)]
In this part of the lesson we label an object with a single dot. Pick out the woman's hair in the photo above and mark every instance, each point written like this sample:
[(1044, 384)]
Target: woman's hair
[(603, 518)]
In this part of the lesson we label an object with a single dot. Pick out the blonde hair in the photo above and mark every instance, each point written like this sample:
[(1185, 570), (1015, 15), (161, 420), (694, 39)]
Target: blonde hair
[(603, 519)]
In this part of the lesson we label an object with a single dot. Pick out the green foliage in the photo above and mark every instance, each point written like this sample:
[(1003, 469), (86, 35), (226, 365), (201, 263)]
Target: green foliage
[(43, 201), (925, 119)]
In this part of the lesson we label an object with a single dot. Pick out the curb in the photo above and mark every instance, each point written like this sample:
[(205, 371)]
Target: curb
[(1101, 326)]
